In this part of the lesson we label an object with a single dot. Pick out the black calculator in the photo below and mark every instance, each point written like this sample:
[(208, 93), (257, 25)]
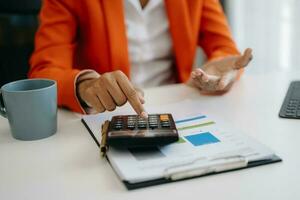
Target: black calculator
[(135, 131), (291, 105)]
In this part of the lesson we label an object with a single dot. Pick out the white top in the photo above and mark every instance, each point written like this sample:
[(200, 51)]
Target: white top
[(149, 43)]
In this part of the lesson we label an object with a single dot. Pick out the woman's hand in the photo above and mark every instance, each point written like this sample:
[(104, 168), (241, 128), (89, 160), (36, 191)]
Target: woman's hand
[(219, 75), (109, 91)]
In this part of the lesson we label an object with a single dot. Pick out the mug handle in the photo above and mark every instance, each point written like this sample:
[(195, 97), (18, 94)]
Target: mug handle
[(2, 107)]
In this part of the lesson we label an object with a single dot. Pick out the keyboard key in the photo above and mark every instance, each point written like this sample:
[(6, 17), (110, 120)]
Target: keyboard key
[(289, 114)]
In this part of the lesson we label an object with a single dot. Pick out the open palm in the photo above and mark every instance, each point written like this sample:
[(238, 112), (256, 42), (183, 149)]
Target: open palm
[(219, 75)]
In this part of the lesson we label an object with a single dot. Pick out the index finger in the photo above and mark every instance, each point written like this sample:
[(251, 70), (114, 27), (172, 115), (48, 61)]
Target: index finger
[(132, 96), (244, 60)]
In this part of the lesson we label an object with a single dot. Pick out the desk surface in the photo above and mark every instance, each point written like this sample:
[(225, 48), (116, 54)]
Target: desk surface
[(67, 165)]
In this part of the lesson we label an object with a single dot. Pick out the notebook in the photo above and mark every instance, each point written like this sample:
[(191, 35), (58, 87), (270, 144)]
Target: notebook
[(207, 145)]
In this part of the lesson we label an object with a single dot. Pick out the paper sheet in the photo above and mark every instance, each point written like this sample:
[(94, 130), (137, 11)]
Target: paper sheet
[(201, 137)]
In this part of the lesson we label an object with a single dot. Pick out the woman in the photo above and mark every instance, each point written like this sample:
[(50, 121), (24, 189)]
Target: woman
[(99, 51)]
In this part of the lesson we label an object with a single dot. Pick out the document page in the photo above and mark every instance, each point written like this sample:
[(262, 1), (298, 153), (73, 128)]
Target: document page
[(201, 140)]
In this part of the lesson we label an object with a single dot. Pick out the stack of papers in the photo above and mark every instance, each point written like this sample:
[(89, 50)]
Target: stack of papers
[(203, 148)]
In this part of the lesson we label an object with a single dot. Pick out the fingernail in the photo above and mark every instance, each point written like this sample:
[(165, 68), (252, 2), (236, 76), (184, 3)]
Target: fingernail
[(198, 73), (219, 87), (205, 79), (144, 115), (199, 70), (142, 100)]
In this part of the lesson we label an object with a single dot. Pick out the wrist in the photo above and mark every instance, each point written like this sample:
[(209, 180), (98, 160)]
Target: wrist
[(78, 93), (82, 78)]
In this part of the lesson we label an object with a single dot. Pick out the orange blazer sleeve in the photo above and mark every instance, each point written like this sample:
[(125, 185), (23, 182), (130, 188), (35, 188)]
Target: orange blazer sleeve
[(55, 44), (215, 37)]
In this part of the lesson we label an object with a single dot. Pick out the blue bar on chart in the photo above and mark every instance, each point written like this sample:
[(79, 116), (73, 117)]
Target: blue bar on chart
[(202, 139), (190, 119)]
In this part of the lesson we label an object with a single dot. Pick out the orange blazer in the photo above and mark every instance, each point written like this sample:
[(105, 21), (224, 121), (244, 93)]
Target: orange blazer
[(80, 34)]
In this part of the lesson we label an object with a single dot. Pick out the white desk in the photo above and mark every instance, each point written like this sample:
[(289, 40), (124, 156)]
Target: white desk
[(67, 165)]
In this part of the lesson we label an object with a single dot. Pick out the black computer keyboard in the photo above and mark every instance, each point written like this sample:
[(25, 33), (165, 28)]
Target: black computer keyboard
[(291, 105)]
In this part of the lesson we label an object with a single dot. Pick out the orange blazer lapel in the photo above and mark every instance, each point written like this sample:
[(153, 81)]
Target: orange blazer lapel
[(116, 31), (183, 35)]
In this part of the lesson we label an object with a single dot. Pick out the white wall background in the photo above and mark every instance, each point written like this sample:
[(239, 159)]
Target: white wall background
[(271, 28)]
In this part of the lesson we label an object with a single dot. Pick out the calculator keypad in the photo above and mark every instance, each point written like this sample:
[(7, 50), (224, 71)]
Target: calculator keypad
[(129, 130), (118, 124), (132, 122)]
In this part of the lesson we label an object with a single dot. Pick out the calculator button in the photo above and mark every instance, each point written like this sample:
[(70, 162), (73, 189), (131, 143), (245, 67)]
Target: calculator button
[(165, 120), (131, 127), (117, 127), (165, 124), (153, 125), (164, 117), (153, 119), (142, 125), (130, 122)]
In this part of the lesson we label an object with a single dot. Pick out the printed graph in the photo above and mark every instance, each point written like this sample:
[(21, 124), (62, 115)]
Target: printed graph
[(193, 132), (202, 139)]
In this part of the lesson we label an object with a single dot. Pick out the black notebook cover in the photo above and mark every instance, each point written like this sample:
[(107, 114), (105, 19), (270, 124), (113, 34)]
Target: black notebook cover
[(131, 186)]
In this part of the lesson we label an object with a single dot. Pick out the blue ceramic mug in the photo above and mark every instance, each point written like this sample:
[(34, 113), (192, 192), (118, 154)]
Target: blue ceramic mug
[(30, 106)]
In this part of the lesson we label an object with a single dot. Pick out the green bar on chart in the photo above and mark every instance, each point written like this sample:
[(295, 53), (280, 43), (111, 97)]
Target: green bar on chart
[(196, 126)]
